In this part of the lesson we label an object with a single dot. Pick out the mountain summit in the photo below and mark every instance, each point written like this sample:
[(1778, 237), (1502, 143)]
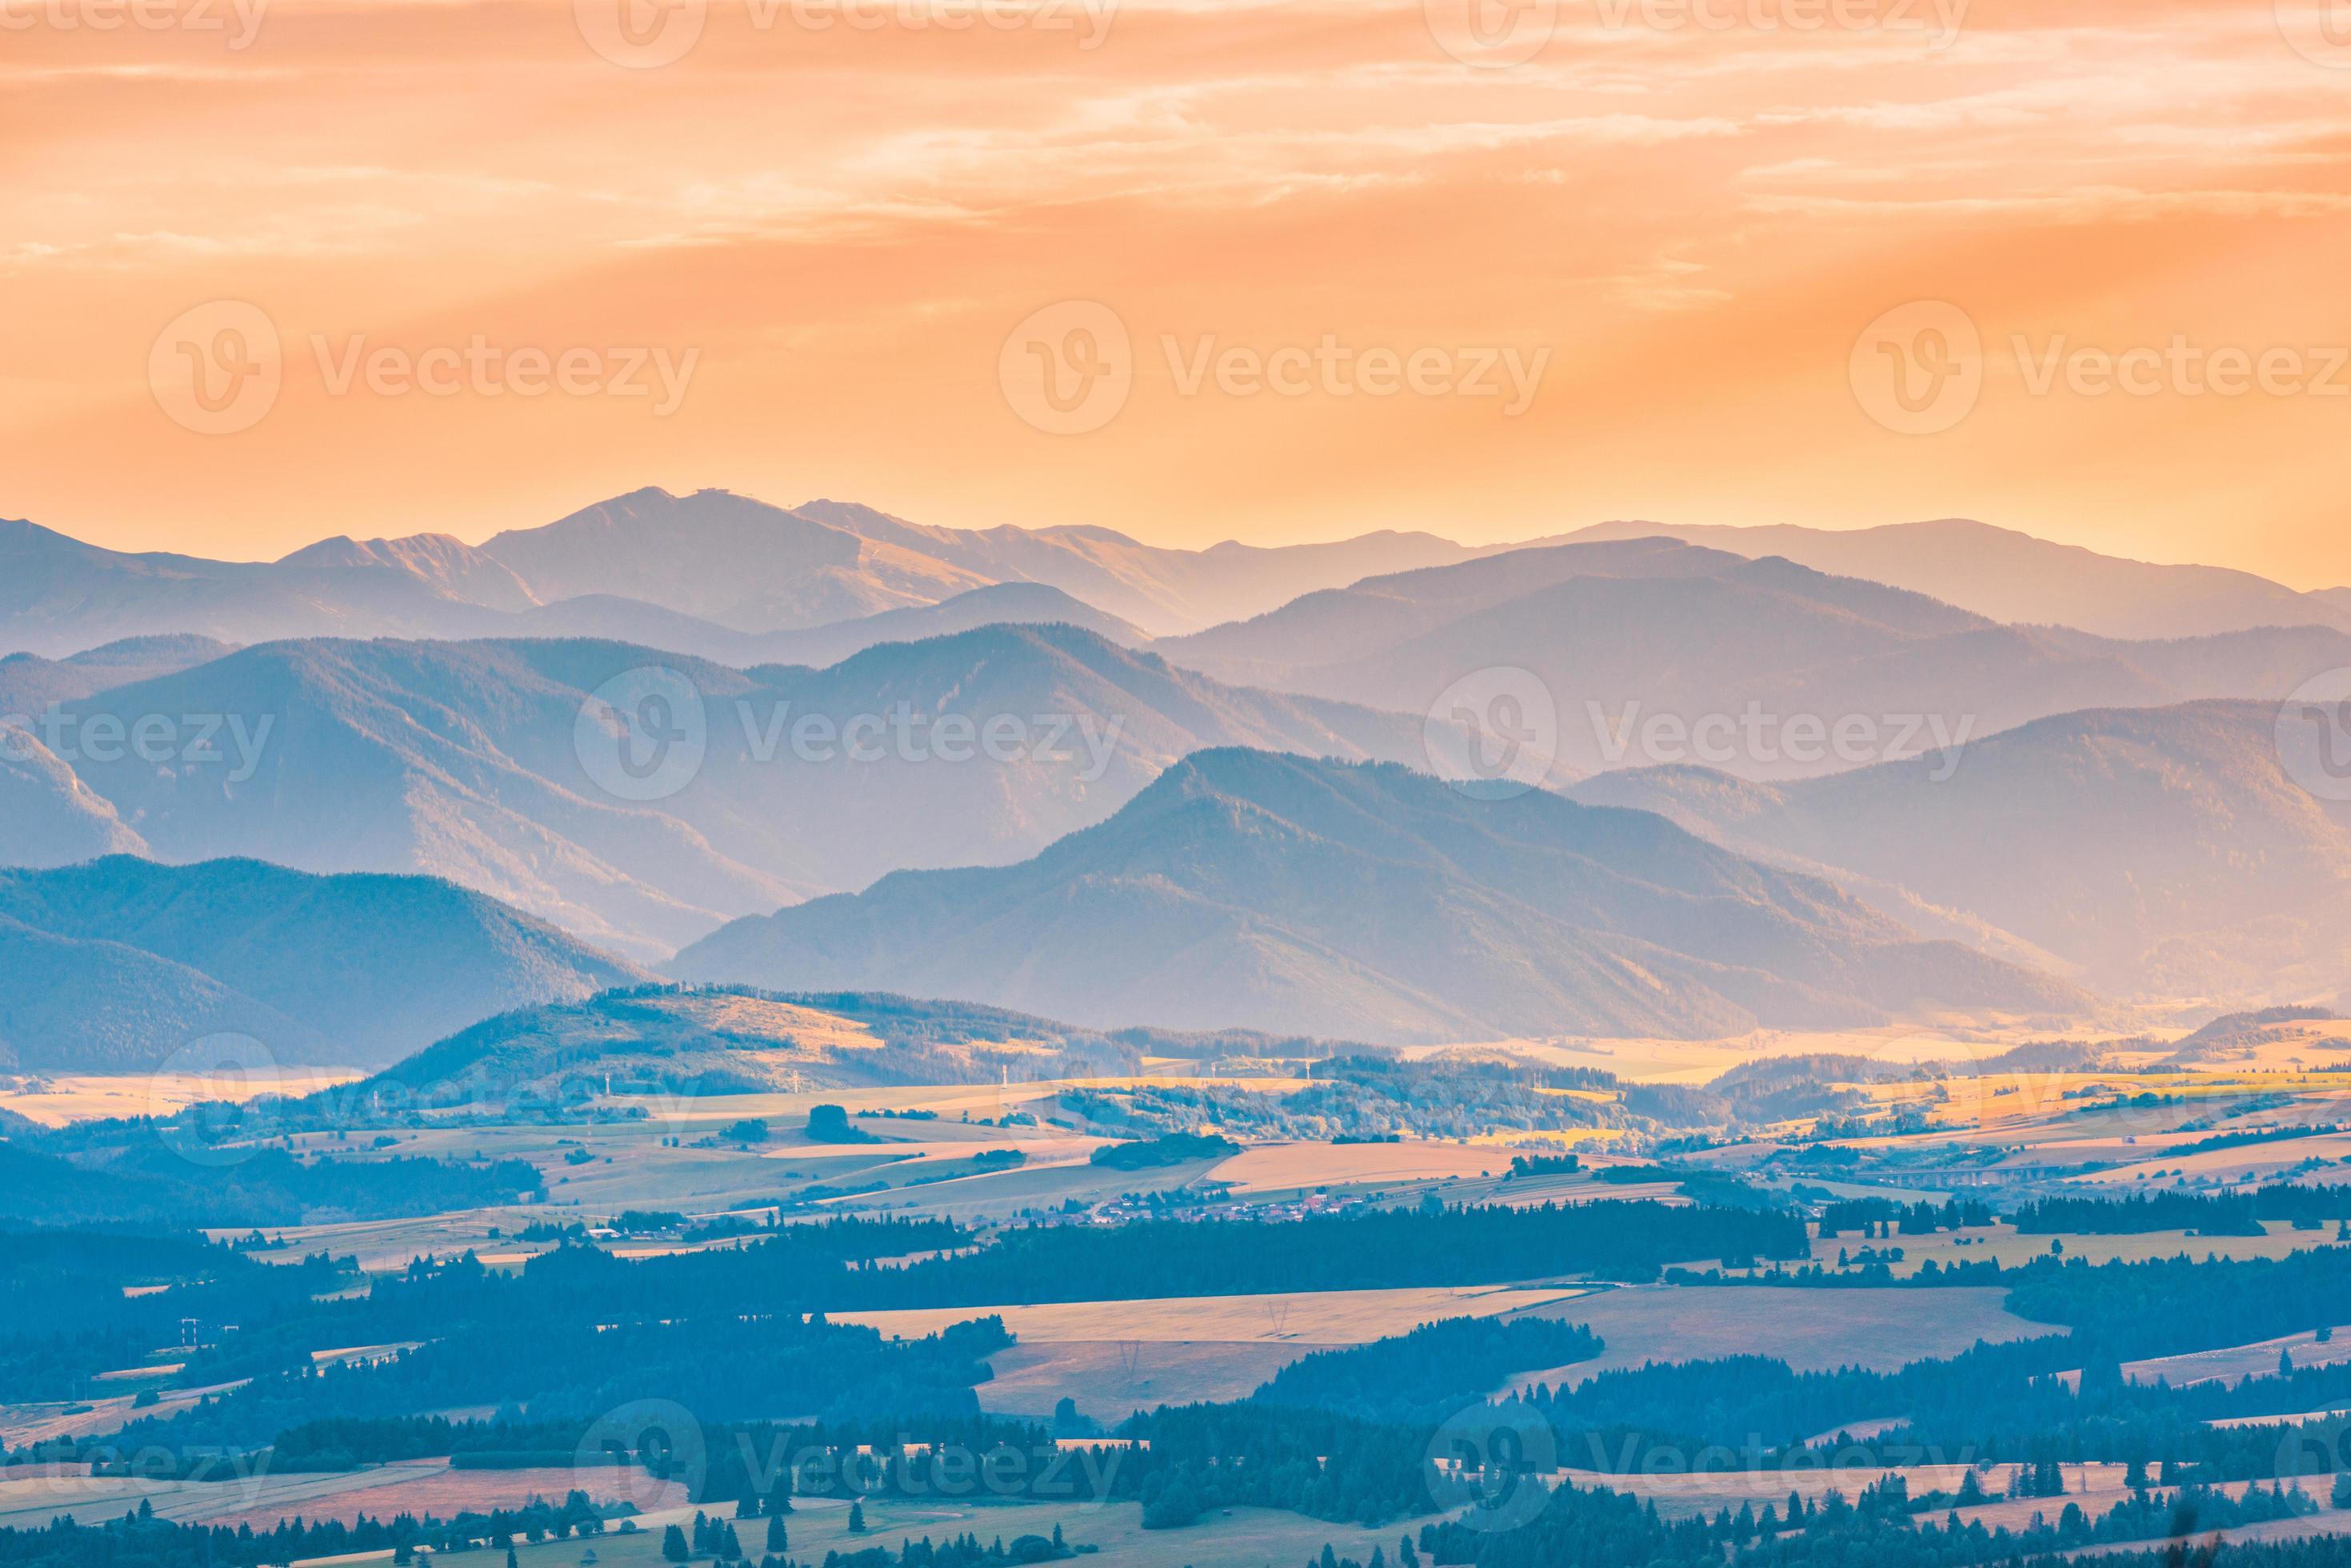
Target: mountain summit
[(1285, 892)]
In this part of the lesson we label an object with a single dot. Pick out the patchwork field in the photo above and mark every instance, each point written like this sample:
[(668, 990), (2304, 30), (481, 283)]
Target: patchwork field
[(2256, 1360), (1290, 1167), (1697, 1062), (1681, 1494), (2326, 1521), (418, 1486), (2005, 1245), (1810, 1328), (92, 1418), (55, 1099), (1242, 1538), (1314, 1318), (1111, 1379)]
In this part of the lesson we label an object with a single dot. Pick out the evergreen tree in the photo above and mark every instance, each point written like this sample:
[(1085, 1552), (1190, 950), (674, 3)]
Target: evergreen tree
[(856, 1518), (673, 1547), (777, 1539)]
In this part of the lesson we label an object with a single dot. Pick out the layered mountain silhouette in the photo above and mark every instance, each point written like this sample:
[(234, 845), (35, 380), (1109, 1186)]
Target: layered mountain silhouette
[(1640, 644), (48, 817), (118, 964), (715, 1040), (1164, 591), (2014, 577), (1250, 889), (2169, 853), (463, 760), (711, 574), (30, 684), (2084, 778), (695, 574)]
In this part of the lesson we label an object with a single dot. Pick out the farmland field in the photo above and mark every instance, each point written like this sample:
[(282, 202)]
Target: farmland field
[(1809, 1329), (1102, 1362), (1332, 1317)]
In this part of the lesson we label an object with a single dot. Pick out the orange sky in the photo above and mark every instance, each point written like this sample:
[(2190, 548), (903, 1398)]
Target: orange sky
[(842, 226)]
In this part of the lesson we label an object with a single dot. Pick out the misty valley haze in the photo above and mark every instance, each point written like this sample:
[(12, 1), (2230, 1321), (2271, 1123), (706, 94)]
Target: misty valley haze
[(1540, 785), (839, 697)]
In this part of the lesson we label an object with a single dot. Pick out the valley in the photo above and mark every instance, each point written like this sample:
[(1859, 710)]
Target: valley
[(708, 1032)]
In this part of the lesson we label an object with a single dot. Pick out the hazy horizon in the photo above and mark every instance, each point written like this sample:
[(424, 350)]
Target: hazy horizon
[(482, 534), (1685, 232)]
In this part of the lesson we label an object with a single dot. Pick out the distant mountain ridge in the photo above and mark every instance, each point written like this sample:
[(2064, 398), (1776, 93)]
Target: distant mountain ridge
[(118, 962), (699, 573), (2172, 853), (2015, 579), (463, 760), (1249, 890), (707, 570), (721, 1040), (1640, 649)]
